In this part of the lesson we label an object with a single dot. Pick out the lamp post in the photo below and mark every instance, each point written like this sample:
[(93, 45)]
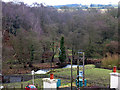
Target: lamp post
[(33, 73)]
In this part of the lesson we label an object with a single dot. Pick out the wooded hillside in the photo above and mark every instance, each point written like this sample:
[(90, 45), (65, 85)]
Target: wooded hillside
[(31, 33)]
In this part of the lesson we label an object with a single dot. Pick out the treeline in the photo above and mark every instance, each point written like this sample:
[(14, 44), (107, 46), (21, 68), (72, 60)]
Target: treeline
[(33, 33)]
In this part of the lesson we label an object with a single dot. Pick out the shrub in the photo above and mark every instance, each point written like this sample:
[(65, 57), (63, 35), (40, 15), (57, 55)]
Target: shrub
[(110, 61), (98, 65)]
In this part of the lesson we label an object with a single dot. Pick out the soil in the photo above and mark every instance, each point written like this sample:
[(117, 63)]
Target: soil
[(18, 69)]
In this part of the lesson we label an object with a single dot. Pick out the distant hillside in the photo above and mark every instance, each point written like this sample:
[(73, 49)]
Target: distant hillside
[(87, 6), (68, 5)]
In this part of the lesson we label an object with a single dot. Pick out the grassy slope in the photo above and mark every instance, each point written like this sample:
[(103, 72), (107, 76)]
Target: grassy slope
[(94, 76), (18, 84)]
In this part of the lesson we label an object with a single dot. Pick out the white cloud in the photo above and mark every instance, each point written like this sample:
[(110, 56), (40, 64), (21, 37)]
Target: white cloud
[(62, 2)]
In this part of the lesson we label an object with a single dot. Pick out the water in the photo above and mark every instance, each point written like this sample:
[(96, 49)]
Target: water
[(74, 66), (44, 71)]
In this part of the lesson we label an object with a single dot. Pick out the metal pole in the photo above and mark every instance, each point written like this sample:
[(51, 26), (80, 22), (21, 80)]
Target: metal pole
[(83, 68), (33, 79), (78, 73), (33, 76), (71, 67), (71, 74)]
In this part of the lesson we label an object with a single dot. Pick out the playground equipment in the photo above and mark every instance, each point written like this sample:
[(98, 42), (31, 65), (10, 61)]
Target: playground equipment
[(30, 87), (115, 79), (51, 76), (81, 80), (81, 74), (51, 83), (58, 83)]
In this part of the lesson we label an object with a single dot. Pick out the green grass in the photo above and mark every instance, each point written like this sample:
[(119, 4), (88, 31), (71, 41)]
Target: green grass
[(69, 50), (94, 76), (56, 56), (18, 84), (70, 54)]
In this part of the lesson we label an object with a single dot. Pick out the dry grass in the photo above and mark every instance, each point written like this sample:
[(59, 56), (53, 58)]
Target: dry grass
[(110, 61)]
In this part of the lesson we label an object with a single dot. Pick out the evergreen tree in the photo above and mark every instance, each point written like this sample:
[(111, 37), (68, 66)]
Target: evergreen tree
[(62, 54)]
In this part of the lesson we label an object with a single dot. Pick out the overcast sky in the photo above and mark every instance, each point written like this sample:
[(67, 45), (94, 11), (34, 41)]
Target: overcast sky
[(63, 2)]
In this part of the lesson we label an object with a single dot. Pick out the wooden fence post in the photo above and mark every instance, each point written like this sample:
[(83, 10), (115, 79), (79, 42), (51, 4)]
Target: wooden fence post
[(14, 87), (21, 85), (5, 86)]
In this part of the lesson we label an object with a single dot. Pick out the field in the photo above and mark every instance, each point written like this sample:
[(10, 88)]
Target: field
[(95, 77)]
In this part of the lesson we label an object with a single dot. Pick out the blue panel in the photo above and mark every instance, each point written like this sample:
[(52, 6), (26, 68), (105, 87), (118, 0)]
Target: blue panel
[(81, 82), (58, 82)]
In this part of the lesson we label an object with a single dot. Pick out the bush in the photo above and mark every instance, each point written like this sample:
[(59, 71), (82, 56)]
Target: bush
[(110, 61), (98, 65)]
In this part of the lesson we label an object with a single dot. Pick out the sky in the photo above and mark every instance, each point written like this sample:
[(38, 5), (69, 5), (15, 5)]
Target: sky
[(64, 2)]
